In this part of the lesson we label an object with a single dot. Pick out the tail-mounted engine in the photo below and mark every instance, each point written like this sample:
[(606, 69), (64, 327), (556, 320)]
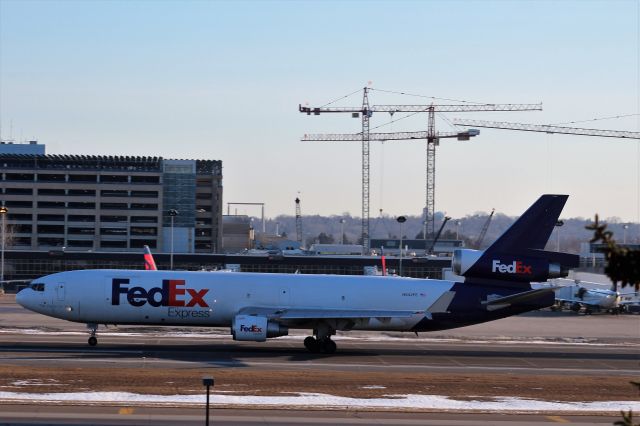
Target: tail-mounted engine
[(534, 265), (256, 328)]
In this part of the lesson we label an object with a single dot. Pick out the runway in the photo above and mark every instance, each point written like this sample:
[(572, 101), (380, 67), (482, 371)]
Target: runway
[(539, 357), (15, 414)]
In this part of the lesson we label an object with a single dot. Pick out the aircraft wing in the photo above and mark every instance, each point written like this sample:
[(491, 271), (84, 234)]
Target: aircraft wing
[(318, 313), (314, 313)]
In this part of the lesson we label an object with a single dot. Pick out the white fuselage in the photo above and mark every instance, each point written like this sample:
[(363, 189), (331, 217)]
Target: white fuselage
[(215, 298)]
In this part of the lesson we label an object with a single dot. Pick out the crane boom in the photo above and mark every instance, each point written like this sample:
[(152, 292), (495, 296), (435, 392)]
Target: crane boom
[(335, 137), (483, 231), (544, 128), (424, 108)]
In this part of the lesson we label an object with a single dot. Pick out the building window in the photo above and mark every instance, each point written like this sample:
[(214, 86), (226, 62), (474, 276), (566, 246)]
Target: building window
[(18, 191), (19, 204), (144, 219), (136, 230), (51, 241), (51, 204), (114, 178), (113, 244), (203, 232), (145, 179), (113, 193), (83, 178), (21, 229), (21, 242), (82, 192), (81, 231), (113, 219), (51, 191), (50, 218), (50, 177), (19, 176), (113, 231), (113, 206), (145, 194), (50, 229), (81, 218), (81, 205), (144, 206), (19, 216)]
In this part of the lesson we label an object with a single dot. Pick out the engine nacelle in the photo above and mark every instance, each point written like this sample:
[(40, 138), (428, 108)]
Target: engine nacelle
[(256, 328), (463, 259), (474, 263)]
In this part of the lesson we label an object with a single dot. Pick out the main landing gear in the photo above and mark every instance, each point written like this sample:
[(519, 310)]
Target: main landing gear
[(322, 343), (93, 340)]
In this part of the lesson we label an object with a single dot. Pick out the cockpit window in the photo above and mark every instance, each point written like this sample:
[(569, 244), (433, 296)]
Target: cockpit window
[(37, 286)]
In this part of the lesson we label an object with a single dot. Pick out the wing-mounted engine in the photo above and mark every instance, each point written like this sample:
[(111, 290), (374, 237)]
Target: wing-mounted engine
[(532, 265), (256, 328)]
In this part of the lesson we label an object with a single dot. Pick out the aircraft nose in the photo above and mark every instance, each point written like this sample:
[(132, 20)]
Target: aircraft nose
[(22, 297)]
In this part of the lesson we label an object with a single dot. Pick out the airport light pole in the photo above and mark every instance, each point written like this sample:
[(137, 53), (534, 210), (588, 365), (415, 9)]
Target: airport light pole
[(458, 229), (401, 220), (3, 213), (342, 231), (208, 382), (624, 230), (558, 225), (172, 214)]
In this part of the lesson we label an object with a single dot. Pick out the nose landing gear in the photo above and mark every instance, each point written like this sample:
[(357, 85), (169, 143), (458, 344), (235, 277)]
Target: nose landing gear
[(93, 340)]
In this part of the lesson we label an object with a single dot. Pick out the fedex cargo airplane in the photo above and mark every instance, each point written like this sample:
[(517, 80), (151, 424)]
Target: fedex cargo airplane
[(493, 284)]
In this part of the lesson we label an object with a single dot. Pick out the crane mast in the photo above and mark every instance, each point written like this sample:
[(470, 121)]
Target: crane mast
[(298, 221), (366, 115)]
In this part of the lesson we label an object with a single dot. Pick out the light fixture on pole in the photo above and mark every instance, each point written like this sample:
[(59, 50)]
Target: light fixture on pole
[(342, 221), (624, 228), (3, 213), (558, 225), (458, 223), (401, 220), (208, 382), (172, 214)]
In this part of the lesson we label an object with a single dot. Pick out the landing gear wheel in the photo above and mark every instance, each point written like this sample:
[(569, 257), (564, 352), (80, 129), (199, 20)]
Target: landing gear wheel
[(93, 340), (312, 344), (329, 346)]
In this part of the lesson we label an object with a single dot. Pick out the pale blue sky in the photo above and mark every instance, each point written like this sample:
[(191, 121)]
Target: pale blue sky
[(223, 80)]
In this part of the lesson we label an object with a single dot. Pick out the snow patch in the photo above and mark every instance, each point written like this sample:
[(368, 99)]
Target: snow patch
[(324, 400)]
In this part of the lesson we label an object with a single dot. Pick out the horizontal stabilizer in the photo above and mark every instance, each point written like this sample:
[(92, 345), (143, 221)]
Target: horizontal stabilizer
[(503, 302)]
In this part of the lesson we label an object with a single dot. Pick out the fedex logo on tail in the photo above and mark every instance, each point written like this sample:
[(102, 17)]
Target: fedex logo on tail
[(517, 267), (172, 293)]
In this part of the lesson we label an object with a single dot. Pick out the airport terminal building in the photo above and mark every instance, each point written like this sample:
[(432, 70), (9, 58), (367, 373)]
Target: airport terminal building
[(111, 203)]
